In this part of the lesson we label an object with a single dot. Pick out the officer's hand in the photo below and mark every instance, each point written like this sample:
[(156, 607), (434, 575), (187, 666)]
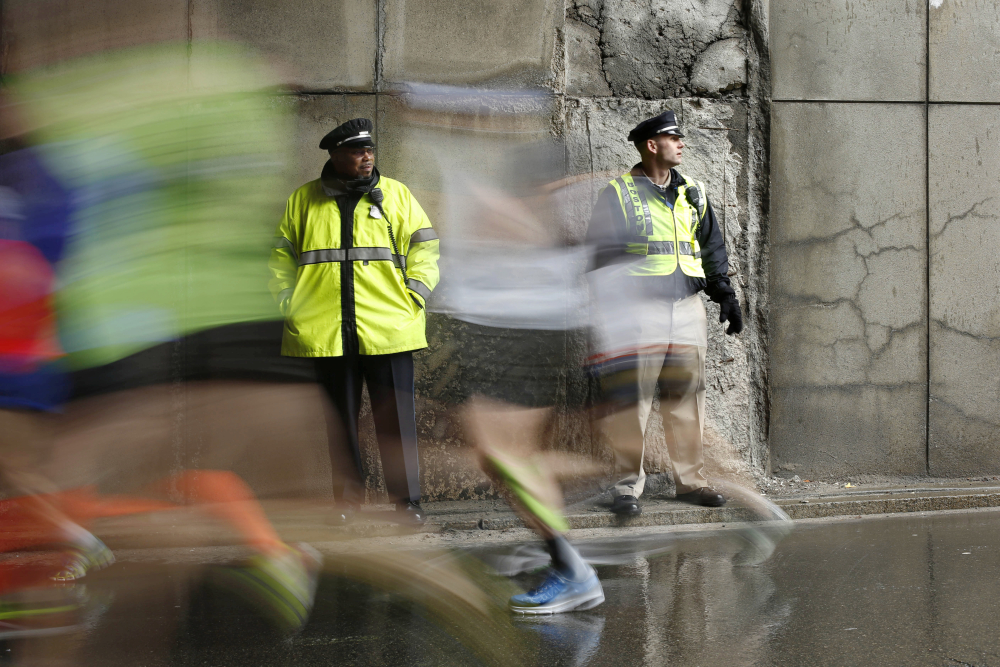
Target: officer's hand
[(729, 309)]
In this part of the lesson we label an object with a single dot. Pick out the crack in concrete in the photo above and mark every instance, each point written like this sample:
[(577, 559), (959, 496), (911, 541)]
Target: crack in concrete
[(962, 413), (965, 334), (856, 227), (874, 354), (380, 22), (971, 212), (893, 333)]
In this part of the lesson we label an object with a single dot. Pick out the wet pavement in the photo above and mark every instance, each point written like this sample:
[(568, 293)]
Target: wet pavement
[(906, 589)]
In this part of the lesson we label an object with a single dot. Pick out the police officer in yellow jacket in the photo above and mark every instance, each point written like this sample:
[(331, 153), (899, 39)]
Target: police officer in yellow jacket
[(353, 264), (654, 230)]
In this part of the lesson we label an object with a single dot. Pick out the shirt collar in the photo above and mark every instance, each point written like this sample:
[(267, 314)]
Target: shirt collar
[(675, 180)]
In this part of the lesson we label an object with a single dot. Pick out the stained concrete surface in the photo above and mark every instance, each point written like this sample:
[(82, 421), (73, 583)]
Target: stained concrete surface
[(916, 589), (508, 43), (964, 51), (866, 50), (297, 36), (965, 317), (848, 281), (635, 35)]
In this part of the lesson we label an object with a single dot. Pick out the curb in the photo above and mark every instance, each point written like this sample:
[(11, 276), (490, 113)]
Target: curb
[(309, 523), (796, 509)]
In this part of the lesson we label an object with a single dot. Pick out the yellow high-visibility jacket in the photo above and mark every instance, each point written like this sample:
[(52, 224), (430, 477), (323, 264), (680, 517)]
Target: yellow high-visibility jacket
[(336, 282)]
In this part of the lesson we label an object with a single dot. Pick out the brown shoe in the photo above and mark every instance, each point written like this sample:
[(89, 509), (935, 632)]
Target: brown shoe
[(706, 496)]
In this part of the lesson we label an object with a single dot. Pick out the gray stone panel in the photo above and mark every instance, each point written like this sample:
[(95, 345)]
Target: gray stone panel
[(848, 315), (318, 44), (965, 51), (503, 43), (847, 169), (849, 429), (964, 284), (822, 50)]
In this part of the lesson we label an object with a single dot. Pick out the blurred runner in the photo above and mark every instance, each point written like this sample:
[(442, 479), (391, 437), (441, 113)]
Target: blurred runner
[(170, 159), (34, 217), (517, 288)]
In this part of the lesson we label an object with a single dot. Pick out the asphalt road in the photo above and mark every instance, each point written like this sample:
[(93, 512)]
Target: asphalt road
[(899, 590)]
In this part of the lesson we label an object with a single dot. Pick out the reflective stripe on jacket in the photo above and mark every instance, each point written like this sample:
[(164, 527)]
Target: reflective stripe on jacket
[(667, 236), (330, 287)]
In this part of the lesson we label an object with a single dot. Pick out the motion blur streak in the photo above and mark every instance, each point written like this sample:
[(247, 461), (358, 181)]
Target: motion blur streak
[(141, 176)]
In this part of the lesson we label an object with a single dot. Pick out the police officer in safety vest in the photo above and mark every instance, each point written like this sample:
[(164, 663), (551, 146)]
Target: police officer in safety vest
[(654, 231), (354, 262)]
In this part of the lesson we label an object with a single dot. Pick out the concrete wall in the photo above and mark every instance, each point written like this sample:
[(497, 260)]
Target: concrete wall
[(884, 326), (871, 344), (600, 65)]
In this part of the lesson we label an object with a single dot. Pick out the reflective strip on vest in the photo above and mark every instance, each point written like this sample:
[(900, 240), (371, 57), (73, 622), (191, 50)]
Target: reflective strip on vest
[(329, 255), (418, 287), (423, 235), (641, 219), (660, 248), (322, 256)]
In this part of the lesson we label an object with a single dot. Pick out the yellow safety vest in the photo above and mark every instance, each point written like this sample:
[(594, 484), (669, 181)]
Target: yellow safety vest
[(666, 237), (305, 265)]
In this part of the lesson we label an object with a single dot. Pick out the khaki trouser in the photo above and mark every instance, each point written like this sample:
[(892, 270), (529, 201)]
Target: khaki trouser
[(680, 371)]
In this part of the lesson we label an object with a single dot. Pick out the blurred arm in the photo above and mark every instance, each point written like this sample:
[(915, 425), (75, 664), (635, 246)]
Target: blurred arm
[(606, 232)]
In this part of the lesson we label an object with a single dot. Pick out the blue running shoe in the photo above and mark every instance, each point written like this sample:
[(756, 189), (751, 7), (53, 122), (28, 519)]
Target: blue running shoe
[(557, 594)]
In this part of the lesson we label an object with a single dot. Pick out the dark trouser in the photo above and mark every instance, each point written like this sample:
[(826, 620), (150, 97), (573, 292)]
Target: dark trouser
[(389, 378)]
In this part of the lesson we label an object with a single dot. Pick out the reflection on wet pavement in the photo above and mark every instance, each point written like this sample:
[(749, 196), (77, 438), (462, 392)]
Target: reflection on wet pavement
[(903, 590)]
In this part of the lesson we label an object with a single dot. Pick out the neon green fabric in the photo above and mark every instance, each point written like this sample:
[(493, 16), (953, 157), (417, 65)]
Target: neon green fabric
[(666, 237), (305, 268), (176, 158), (551, 517)]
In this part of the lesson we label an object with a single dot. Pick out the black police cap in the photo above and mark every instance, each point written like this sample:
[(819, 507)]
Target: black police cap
[(665, 123), (357, 132)]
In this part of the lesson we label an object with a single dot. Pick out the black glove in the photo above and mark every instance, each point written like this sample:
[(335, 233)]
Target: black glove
[(729, 309)]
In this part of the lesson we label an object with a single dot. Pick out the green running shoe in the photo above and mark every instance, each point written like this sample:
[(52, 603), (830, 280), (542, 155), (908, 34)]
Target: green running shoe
[(82, 557), (282, 587)]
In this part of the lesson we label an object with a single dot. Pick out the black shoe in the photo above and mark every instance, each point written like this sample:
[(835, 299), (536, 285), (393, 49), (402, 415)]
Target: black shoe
[(706, 496), (626, 506), (343, 513), (410, 514)]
